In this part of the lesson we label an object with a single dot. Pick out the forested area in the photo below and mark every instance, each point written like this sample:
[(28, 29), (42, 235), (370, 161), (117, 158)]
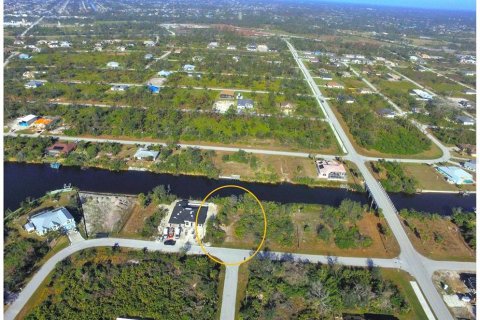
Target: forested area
[(242, 217), (173, 125), (393, 177), (296, 290), (390, 136), (467, 223), (131, 284)]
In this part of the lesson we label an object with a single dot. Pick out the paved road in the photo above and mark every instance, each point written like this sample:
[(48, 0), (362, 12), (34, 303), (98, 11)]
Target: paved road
[(226, 254), (423, 128), (412, 81), (412, 261), (184, 146), (24, 33), (10, 57), (448, 78)]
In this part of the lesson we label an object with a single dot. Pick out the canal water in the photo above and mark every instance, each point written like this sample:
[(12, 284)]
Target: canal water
[(34, 180)]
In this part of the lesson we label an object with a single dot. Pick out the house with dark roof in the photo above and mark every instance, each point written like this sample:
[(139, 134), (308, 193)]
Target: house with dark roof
[(60, 148), (386, 113), (184, 214), (464, 120)]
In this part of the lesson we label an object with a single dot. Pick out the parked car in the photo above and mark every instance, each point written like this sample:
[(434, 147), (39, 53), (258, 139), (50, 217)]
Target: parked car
[(169, 242)]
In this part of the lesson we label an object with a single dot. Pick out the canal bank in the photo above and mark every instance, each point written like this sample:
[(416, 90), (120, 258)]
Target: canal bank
[(34, 180)]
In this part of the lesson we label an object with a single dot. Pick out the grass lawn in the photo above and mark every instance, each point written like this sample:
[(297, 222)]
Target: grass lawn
[(429, 179)]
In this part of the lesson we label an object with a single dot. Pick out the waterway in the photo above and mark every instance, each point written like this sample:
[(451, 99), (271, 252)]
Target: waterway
[(34, 180)]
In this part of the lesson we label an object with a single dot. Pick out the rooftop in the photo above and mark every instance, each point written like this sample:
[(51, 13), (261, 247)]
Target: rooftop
[(187, 211)]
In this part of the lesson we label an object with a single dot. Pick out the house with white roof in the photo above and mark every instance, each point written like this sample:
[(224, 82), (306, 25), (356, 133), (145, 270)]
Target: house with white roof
[(27, 120), (455, 175), (330, 170), (33, 84), (188, 68), (51, 220), (422, 94), (145, 154), (113, 65)]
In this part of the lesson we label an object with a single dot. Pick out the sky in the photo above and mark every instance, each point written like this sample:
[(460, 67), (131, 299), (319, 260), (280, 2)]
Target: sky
[(465, 5)]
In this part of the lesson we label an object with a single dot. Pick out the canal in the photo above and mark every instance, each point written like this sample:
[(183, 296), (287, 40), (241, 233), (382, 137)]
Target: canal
[(34, 180)]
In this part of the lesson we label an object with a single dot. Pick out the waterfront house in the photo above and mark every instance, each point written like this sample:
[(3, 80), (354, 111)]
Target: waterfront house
[(50, 220), (27, 120), (455, 175), (331, 170), (145, 154), (184, 214), (61, 148), (470, 165)]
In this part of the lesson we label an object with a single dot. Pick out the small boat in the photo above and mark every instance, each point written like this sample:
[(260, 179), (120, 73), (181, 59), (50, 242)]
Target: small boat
[(464, 193), (55, 165)]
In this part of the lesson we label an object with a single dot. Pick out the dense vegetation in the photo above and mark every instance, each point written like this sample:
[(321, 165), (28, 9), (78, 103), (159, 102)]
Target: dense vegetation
[(370, 131), (393, 177), (295, 290), (242, 157), (338, 224), (466, 222), (186, 161), (174, 125), (142, 284)]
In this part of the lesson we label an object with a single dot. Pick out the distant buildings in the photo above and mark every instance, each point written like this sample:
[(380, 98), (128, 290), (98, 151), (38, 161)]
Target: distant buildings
[(146, 155), (148, 56), (27, 120), (464, 120), (189, 68), (386, 113), (326, 76), (244, 104), (149, 43), (33, 84), (252, 47), (213, 45), (113, 65), (164, 73), (231, 47), (119, 87), (227, 94), (422, 94), (262, 48), (331, 170), (24, 56), (334, 85), (51, 220), (455, 175)]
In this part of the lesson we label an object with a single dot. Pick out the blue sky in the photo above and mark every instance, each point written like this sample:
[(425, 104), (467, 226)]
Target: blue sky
[(430, 4)]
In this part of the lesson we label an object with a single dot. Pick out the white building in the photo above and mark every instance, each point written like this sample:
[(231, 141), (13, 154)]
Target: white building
[(422, 94)]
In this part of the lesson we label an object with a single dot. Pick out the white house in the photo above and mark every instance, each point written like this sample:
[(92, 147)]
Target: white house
[(52, 220), (422, 94), (113, 65), (331, 170), (145, 154), (188, 68)]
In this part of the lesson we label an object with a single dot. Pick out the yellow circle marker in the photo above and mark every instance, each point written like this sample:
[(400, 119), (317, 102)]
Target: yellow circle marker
[(264, 226)]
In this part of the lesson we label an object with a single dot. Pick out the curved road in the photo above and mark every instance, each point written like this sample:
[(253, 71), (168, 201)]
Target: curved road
[(226, 254)]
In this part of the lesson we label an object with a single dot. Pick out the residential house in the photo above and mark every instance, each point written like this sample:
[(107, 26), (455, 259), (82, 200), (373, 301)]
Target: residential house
[(50, 220), (470, 92), (24, 56), (60, 148), (189, 68), (231, 47), (164, 73), (212, 45), (334, 85), (45, 123), (184, 214), (470, 165), (262, 48), (252, 47), (422, 94), (149, 43), (386, 113), (155, 84), (287, 108), (326, 76), (244, 104), (113, 65), (27, 120), (469, 149), (365, 91), (148, 56), (465, 104), (455, 175), (119, 87), (65, 44), (227, 94), (464, 120), (331, 170), (33, 84), (146, 155)]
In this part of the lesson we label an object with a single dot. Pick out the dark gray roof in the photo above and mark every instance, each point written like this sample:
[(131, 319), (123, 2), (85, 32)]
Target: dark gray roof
[(185, 211)]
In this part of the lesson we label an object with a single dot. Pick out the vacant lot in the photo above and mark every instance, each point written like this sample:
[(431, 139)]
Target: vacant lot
[(105, 213)]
